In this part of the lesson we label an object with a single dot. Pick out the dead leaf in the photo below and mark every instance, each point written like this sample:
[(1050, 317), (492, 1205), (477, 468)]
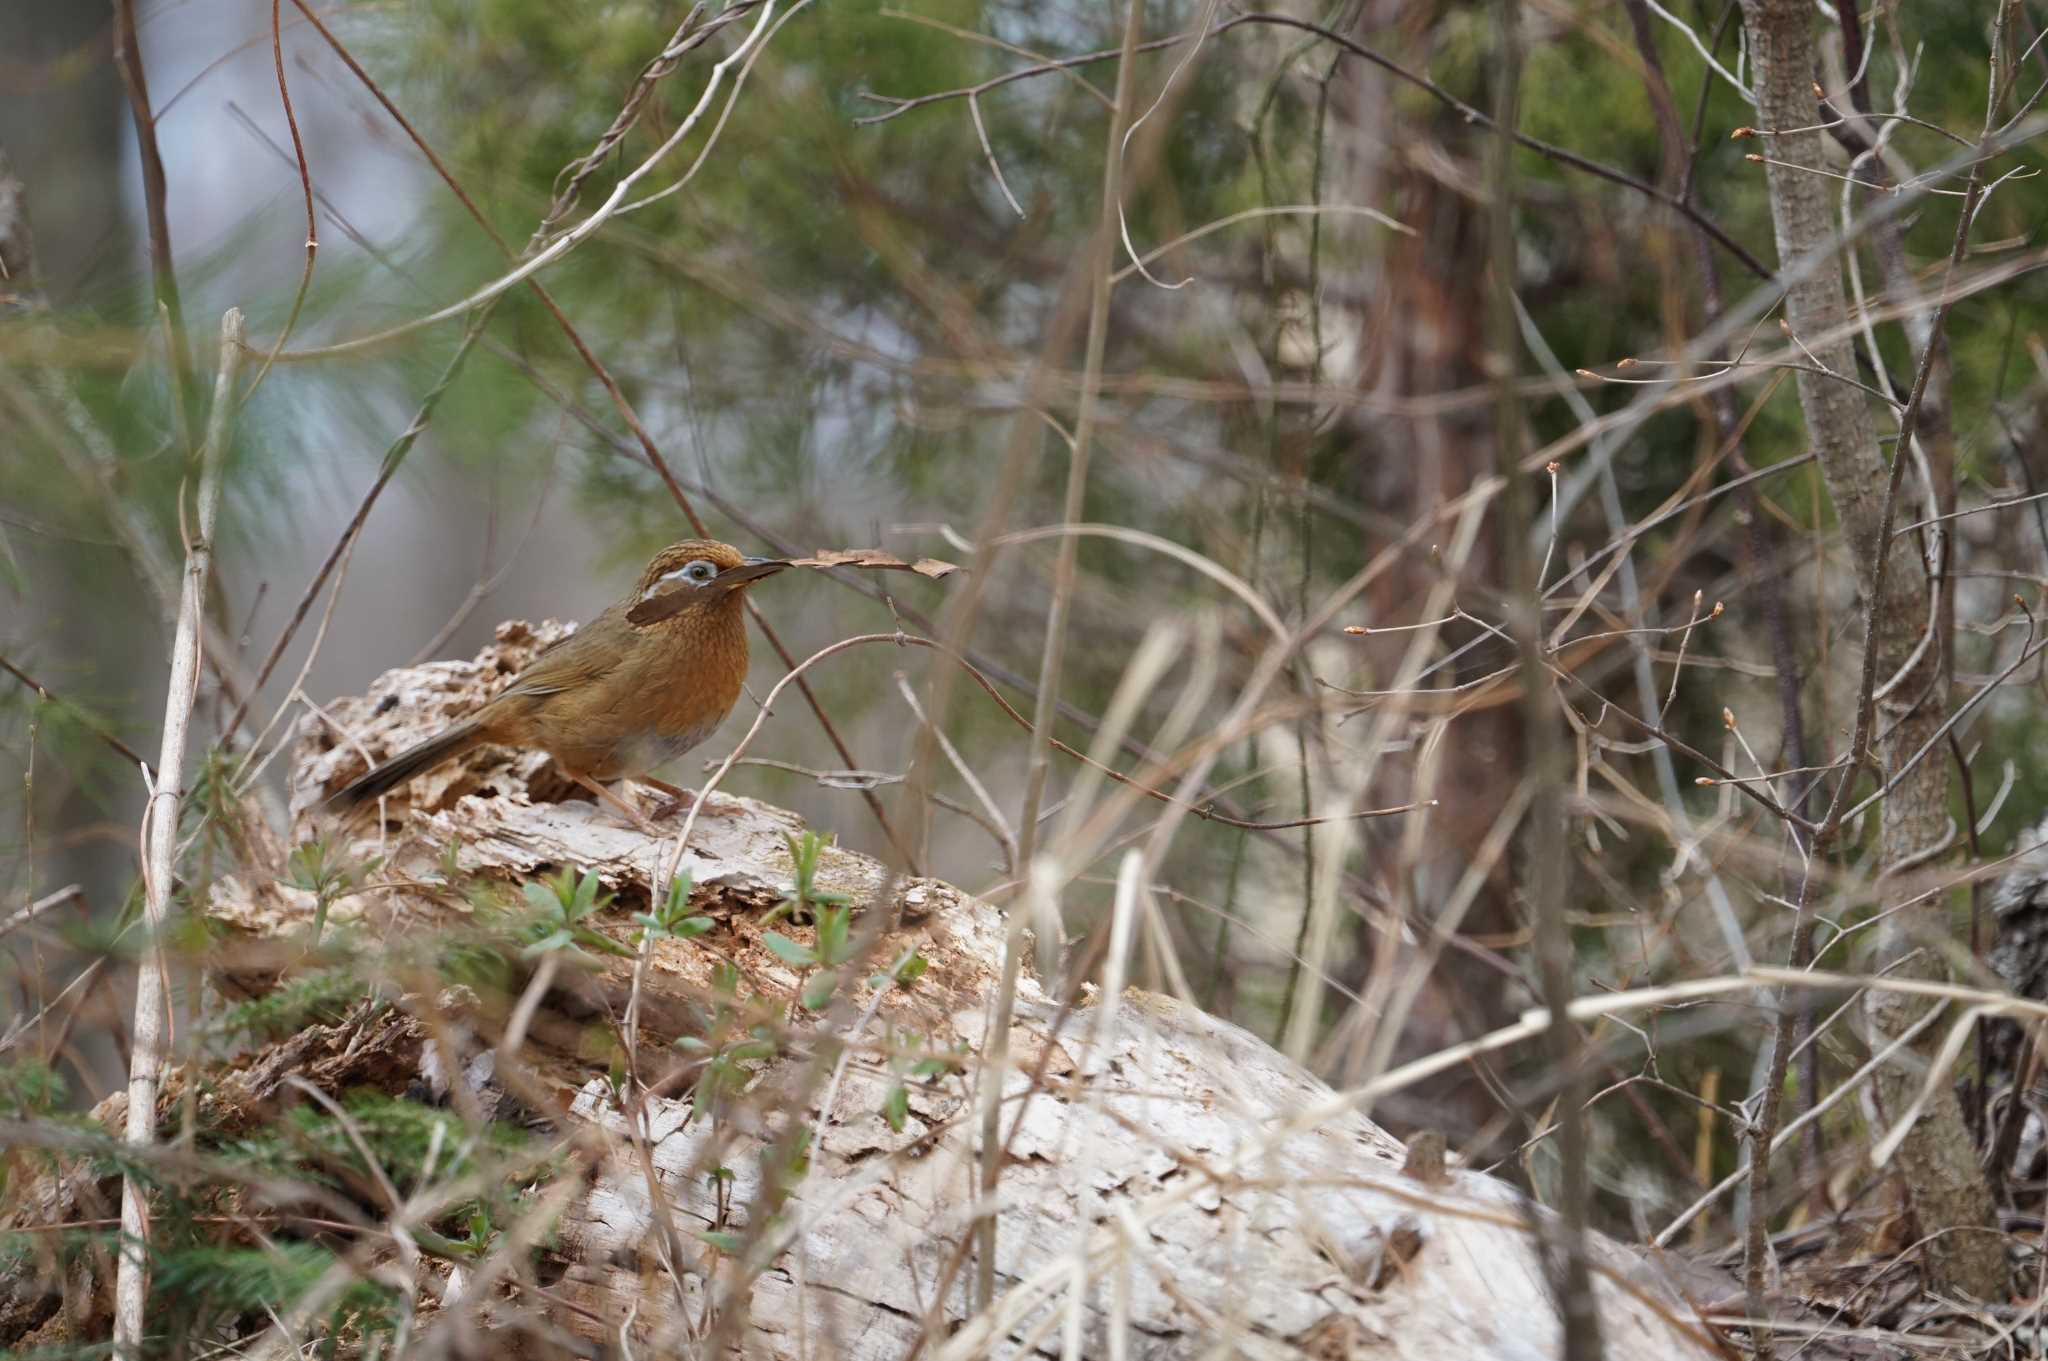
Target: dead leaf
[(876, 559)]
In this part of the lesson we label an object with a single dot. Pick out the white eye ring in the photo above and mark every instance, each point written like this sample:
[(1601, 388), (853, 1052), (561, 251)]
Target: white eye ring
[(697, 572)]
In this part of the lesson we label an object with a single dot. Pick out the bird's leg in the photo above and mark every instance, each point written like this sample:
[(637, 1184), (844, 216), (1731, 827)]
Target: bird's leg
[(678, 801), (679, 797), (604, 795)]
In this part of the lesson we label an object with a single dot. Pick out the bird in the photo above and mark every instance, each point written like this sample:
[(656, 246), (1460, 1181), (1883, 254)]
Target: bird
[(635, 688)]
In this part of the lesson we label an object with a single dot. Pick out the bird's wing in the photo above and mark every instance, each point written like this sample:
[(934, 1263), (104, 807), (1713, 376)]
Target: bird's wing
[(583, 657)]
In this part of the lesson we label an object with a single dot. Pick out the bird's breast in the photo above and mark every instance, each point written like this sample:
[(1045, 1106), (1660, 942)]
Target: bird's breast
[(647, 752), (696, 679)]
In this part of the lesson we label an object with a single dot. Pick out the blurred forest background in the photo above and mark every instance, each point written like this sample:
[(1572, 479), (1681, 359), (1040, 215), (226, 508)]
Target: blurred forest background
[(863, 321)]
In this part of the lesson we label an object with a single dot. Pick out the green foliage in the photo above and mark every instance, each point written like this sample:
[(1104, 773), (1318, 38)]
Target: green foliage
[(317, 997), (834, 948), (832, 914), (65, 731), (211, 810), (412, 1143), (28, 1088), (198, 1289), (212, 1277), (725, 1240), (2015, 736), (904, 973), (912, 1059), (315, 867), (560, 903), (804, 898), (785, 1162), (673, 920), (732, 1035)]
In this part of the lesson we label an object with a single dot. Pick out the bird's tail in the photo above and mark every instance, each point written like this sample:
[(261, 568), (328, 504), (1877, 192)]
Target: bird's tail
[(412, 761)]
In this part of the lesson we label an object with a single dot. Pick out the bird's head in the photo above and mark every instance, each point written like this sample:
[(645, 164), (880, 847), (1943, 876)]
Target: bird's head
[(693, 575)]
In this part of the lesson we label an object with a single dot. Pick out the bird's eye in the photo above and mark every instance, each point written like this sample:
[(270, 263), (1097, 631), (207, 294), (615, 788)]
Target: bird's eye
[(701, 570)]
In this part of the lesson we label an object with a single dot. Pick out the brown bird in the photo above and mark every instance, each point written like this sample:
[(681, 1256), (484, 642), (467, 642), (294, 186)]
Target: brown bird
[(628, 692)]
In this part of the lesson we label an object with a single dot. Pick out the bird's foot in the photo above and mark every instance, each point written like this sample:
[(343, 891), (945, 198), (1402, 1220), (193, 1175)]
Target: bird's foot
[(671, 808), (680, 801), (638, 819)]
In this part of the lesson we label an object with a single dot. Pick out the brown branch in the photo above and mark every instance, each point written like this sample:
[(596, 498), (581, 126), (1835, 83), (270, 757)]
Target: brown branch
[(1563, 1238), (1761, 545), (1547, 150), (128, 57), (682, 41), (105, 735), (1205, 810), (291, 119)]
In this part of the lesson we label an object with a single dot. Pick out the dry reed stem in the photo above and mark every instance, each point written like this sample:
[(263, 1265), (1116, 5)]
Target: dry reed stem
[(151, 1029)]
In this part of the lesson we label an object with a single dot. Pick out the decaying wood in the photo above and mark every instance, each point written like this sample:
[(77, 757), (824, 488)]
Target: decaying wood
[(1156, 1190)]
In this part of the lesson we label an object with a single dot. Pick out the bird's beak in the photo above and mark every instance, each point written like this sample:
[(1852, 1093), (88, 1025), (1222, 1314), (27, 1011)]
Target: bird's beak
[(751, 569)]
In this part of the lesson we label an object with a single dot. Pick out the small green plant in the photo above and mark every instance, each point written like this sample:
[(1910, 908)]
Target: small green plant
[(212, 813), (904, 973), (722, 1179), (734, 1035), (30, 1088), (805, 898), (912, 1060), (560, 903), (451, 861), (477, 1233), (784, 1164), (672, 920), (834, 948), (322, 997), (315, 868), (806, 902)]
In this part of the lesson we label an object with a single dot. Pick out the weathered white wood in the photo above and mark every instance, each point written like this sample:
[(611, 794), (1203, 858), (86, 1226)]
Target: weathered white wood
[(1155, 1188)]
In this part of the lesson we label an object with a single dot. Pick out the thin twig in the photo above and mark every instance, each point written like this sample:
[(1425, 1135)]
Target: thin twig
[(575, 236), (1006, 838), (160, 835), (291, 118), (901, 106), (1566, 1264), (691, 34), (394, 458), (70, 893), (1881, 547), (164, 276), (128, 753)]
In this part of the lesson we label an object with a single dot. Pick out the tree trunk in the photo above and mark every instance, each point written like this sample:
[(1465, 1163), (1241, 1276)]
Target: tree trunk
[(1937, 1162)]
